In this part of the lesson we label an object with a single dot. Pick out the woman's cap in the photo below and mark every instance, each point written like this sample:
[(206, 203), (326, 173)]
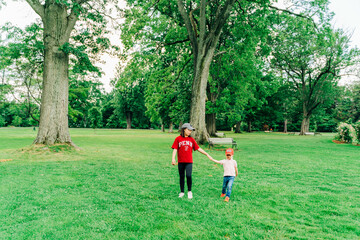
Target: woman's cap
[(229, 151), (188, 126)]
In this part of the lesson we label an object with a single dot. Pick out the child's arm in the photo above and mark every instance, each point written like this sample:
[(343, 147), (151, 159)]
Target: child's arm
[(236, 170), (205, 153), (173, 162), (215, 161)]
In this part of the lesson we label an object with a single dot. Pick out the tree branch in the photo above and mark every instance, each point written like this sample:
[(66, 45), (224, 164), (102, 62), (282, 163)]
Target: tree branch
[(220, 53), (181, 70), (295, 14), (71, 20), (202, 20), (222, 16), (188, 25), (37, 7), (176, 42)]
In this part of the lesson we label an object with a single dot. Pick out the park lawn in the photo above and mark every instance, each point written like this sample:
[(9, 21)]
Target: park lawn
[(121, 185)]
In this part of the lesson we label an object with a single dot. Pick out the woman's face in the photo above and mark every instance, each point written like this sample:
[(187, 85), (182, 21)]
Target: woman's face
[(187, 132)]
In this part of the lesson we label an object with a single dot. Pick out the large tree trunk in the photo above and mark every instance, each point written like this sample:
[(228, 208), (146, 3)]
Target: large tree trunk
[(285, 125), (249, 126), (305, 124), (203, 41), (128, 120), (53, 127), (198, 97), (211, 123), (306, 118), (171, 127), (180, 124), (58, 24), (238, 127)]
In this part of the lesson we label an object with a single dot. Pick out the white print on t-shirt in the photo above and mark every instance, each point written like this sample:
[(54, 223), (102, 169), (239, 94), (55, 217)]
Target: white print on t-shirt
[(185, 143)]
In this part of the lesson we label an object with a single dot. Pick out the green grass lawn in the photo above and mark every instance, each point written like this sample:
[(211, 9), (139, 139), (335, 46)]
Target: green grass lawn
[(121, 185)]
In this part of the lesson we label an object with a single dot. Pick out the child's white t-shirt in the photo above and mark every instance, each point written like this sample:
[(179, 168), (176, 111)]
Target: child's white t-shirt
[(229, 167)]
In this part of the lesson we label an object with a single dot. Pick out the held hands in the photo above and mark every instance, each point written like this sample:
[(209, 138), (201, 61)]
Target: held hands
[(173, 162)]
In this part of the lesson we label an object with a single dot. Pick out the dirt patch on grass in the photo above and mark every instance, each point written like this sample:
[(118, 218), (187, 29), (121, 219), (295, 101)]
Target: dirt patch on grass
[(340, 142), (56, 148), (5, 160)]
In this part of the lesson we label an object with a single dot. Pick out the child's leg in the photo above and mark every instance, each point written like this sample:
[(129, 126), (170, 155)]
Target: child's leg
[(181, 168), (188, 175), (229, 186), (225, 183)]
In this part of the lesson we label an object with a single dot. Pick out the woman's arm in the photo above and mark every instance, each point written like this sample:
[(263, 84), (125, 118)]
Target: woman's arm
[(173, 161), (205, 153)]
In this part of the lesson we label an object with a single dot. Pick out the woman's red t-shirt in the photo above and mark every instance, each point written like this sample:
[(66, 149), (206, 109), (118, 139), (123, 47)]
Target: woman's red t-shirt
[(185, 145)]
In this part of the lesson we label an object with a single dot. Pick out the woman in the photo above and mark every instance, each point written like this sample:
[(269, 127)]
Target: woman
[(184, 146)]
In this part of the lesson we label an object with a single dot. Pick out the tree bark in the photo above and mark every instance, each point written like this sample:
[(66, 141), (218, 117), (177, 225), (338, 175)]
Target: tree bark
[(128, 120), (285, 125), (203, 42), (211, 123), (305, 124), (249, 126), (53, 127), (198, 96), (171, 127), (238, 127), (58, 24)]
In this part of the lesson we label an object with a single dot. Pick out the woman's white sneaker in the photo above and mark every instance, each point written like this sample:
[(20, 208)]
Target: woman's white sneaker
[(190, 196), (181, 195)]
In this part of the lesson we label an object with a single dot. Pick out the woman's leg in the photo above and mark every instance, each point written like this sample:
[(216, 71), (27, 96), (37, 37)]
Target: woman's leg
[(188, 175), (181, 167)]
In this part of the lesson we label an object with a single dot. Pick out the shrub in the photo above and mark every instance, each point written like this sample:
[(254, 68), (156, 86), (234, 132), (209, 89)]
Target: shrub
[(2, 121), (357, 130), (346, 133)]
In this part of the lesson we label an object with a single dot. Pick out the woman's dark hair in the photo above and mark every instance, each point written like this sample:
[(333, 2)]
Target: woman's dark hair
[(182, 132)]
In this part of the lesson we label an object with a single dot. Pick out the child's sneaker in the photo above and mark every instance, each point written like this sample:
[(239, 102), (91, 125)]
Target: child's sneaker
[(190, 195), (223, 195), (227, 199), (181, 195)]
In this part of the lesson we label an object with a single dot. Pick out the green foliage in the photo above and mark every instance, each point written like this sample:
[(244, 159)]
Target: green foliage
[(357, 130), (346, 133), (310, 58), (129, 99), (17, 114), (22, 64), (82, 64), (237, 74), (83, 95), (163, 65), (17, 121), (2, 121), (95, 117)]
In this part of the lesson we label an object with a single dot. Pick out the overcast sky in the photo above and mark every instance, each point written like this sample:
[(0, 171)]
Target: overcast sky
[(346, 17)]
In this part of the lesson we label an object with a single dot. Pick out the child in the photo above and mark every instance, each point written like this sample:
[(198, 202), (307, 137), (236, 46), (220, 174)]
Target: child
[(230, 172)]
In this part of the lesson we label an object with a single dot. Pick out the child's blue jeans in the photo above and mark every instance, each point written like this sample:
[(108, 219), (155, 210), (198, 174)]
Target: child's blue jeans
[(227, 185)]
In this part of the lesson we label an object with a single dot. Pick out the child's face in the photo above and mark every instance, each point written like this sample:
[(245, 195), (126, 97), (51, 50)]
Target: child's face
[(228, 156)]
